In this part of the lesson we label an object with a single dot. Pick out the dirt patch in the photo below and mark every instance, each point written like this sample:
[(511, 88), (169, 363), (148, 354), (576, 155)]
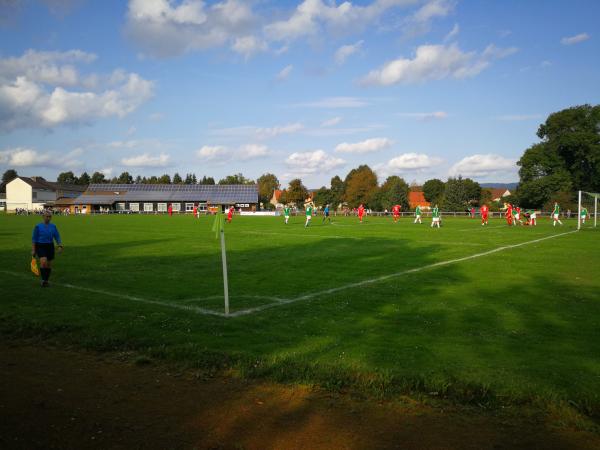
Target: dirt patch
[(53, 398)]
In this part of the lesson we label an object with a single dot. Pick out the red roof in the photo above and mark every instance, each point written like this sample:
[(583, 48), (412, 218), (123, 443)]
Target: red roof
[(277, 194), (417, 198)]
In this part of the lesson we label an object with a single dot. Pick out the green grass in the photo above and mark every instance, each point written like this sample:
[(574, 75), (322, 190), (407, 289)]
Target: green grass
[(519, 325)]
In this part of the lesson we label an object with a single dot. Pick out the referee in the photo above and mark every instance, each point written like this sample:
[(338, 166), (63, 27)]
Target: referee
[(42, 245)]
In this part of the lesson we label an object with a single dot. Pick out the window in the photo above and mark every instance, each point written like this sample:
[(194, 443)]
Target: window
[(189, 207), (120, 206), (34, 195), (176, 207), (134, 207), (148, 207), (161, 207), (202, 207)]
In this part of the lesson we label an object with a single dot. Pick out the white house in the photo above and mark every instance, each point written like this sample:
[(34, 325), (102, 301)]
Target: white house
[(35, 192)]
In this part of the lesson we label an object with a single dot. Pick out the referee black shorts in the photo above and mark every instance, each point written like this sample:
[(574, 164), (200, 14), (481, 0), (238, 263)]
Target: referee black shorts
[(44, 251)]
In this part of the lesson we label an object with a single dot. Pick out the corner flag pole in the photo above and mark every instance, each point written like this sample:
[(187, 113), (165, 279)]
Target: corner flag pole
[(219, 229), (579, 213)]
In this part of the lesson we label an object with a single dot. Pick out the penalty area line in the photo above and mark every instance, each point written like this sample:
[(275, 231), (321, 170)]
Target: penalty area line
[(395, 275)]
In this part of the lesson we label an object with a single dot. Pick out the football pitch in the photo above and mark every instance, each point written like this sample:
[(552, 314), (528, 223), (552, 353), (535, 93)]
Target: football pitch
[(478, 314)]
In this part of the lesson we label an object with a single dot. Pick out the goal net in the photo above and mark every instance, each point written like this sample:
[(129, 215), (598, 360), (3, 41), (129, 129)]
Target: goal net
[(587, 215)]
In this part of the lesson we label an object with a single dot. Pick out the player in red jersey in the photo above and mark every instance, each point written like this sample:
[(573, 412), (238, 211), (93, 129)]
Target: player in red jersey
[(230, 214), (484, 210), (170, 209), (361, 212), (508, 214), (396, 212)]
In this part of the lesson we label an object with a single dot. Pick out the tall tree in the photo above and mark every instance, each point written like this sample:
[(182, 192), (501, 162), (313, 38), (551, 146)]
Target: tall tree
[(138, 180), (164, 179), (9, 175), (207, 180), (194, 179), (394, 191), (296, 192), (98, 177), (188, 178), (473, 191), (177, 178), (361, 186), (455, 195), (433, 190), (125, 178), (267, 184), (238, 178), (84, 179), (66, 178), (323, 197), (153, 180), (337, 191)]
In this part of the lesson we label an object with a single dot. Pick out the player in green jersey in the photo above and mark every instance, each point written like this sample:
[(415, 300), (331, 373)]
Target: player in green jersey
[(418, 214), (286, 213), (309, 205), (435, 216), (583, 215), (556, 214)]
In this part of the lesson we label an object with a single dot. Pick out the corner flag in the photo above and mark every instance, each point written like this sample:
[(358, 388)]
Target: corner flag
[(219, 229)]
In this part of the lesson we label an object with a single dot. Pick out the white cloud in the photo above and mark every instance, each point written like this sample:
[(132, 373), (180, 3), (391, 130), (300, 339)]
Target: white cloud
[(346, 51), (420, 21), (435, 62), (336, 103), (23, 157), (213, 152), (313, 16), (163, 28), (331, 122), (570, 40), (31, 98), (482, 165), (307, 163), (278, 130), (253, 151), (519, 117), (453, 33), (249, 46), (107, 171), (367, 146), (284, 73), (146, 160), (435, 115), (412, 161)]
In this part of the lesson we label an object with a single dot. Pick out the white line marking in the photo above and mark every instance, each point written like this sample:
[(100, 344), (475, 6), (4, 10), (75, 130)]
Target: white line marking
[(307, 234), (397, 274), (128, 297)]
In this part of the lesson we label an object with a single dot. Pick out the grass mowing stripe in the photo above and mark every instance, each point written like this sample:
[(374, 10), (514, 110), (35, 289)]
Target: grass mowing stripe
[(128, 297), (394, 275)]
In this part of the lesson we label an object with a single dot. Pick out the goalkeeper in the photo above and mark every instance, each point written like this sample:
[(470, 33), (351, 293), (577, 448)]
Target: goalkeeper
[(42, 245)]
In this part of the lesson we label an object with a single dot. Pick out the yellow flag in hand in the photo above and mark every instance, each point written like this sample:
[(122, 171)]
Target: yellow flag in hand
[(218, 223), (34, 267)]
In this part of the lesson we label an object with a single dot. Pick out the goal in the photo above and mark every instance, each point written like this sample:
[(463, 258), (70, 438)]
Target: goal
[(587, 213)]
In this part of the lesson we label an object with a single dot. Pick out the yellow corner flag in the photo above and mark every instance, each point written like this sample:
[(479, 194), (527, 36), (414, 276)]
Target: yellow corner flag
[(34, 267), (218, 223)]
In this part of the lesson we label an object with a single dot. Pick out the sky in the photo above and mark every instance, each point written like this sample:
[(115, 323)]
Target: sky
[(309, 89)]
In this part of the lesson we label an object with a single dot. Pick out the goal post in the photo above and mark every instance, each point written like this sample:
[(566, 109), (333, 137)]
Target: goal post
[(587, 210)]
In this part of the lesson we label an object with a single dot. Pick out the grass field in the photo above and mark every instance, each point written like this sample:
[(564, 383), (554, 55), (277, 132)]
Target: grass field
[(480, 318)]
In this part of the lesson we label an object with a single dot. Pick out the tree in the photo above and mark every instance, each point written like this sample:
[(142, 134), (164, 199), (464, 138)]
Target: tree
[(238, 178), (296, 192), (177, 179), (66, 178), (394, 191), (84, 179), (433, 190), (455, 196), (164, 179), (97, 178), (207, 180), (323, 197), (194, 179), (337, 191), (472, 191), (9, 175), (267, 184), (361, 186), (188, 178), (125, 178), (153, 180)]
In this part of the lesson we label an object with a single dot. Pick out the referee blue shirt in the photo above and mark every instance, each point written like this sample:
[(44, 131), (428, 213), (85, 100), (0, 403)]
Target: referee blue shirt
[(45, 234)]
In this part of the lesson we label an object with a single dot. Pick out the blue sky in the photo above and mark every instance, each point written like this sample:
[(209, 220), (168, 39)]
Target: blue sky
[(310, 89)]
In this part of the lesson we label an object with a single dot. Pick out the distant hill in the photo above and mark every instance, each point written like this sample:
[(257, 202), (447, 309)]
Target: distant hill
[(509, 186)]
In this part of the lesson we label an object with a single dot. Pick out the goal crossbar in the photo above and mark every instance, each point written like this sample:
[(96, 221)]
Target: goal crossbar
[(580, 219)]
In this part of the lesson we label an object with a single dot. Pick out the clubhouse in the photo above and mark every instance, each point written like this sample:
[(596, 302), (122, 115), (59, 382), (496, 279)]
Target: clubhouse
[(156, 198)]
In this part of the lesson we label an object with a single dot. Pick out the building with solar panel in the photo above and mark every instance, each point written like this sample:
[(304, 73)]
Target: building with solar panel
[(157, 198)]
